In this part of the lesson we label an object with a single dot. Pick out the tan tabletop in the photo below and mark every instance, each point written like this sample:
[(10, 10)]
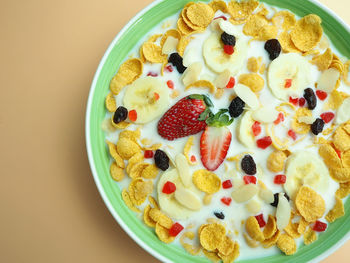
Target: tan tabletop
[(51, 210)]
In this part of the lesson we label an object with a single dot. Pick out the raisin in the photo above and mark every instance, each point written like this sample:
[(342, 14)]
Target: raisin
[(310, 97), (161, 160), (248, 165), (236, 107), (276, 198), (120, 115), (273, 47), (317, 126), (176, 60), (219, 215), (228, 39)]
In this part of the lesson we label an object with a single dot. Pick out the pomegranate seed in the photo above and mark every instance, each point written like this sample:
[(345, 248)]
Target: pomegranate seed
[(170, 84), (229, 50), (319, 226), (292, 134), (226, 184), (302, 102), (288, 83), (248, 179), (338, 152), (327, 116), (175, 229), (133, 115), (226, 200), (322, 95), (264, 142), (193, 159), (156, 96), (293, 101), (231, 83), (280, 118), (152, 74), (260, 219), (256, 128), (169, 188), (148, 154), (169, 68), (223, 17), (280, 179)]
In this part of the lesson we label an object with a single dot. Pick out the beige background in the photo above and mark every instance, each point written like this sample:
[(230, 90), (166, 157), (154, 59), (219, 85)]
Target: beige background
[(51, 210)]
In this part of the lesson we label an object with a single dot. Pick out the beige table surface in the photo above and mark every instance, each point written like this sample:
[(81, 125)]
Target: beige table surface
[(51, 210)]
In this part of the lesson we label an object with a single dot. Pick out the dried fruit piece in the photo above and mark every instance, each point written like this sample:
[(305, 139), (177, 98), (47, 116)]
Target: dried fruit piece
[(310, 205), (175, 229), (177, 61), (319, 226), (219, 215), (169, 188), (264, 142), (236, 107), (120, 115), (310, 97), (248, 165), (286, 244), (161, 160), (273, 48)]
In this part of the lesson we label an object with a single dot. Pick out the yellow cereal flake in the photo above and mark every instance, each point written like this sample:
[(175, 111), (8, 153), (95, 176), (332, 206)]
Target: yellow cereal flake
[(163, 234), (345, 158), (110, 103), (139, 189), (117, 173), (337, 211), (254, 25), (328, 131), (183, 27), (300, 127), (226, 247), (206, 181), (323, 61), (253, 64), (127, 148), (135, 159), (153, 53), (267, 243), (310, 236), (202, 84), (188, 21), (262, 68), (341, 139), (200, 14), (346, 73), (170, 33), (137, 169), (335, 99), (286, 244), (146, 218), (302, 225), (127, 201), (341, 174), (307, 32), (193, 250), (153, 202), (270, 228), (243, 9), (254, 81), (218, 5), (150, 172), (174, 94), (211, 236), (287, 43), (131, 135), (329, 155), (310, 205), (250, 242), (275, 161), (219, 93), (284, 19), (312, 52), (292, 229), (262, 10), (181, 46), (187, 150), (160, 218), (154, 38), (113, 152), (129, 71), (253, 229), (343, 190), (211, 255), (232, 256), (268, 32), (121, 125), (237, 22), (207, 199)]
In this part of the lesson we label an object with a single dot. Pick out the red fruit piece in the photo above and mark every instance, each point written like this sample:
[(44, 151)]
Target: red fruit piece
[(156, 96), (223, 17), (152, 74), (292, 134), (231, 83), (133, 115), (193, 159), (248, 179), (256, 128), (280, 179), (319, 226), (327, 116), (264, 142), (214, 144), (148, 154), (288, 83), (260, 219), (322, 95), (169, 68), (338, 152), (280, 118), (169, 188), (302, 102), (226, 200), (186, 117), (229, 50), (294, 101), (170, 84), (175, 229), (226, 184)]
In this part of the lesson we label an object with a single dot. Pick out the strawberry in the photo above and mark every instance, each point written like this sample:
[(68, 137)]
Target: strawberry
[(215, 140), (187, 117)]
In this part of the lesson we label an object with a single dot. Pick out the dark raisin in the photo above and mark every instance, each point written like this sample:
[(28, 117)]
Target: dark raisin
[(317, 126), (120, 115), (273, 47), (219, 215), (236, 107), (276, 198), (310, 97), (176, 60), (228, 39), (248, 165), (161, 160)]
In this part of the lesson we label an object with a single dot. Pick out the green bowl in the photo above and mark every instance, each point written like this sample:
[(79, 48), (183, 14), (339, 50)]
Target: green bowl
[(337, 232)]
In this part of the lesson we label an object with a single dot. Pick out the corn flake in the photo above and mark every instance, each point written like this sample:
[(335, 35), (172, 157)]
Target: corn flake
[(139, 189), (181, 46), (211, 255), (268, 32), (345, 158), (302, 225), (232, 256), (121, 125), (323, 61), (270, 228), (340, 174), (335, 99), (271, 241), (131, 135), (153, 202), (188, 247), (329, 155), (200, 14), (218, 5), (226, 246), (137, 169), (292, 229), (254, 81), (170, 33), (310, 236), (206, 181), (163, 234), (250, 242), (254, 25), (343, 190), (275, 161), (153, 53), (113, 152), (284, 19), (127, 148), (117, 173), (146, 218), (286, 244), (127, 201), (187, 150), (211, 236), (183, 27), (253, 229), (287, 43), (300, 127), (159, 217), (310, 205), (150, 172), (337, 211), (202, 84), (135, 159), (243, 9), (110, 103), (341, 139)]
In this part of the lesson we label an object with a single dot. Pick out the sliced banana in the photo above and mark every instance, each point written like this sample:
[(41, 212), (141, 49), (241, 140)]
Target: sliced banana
[(289, 66), (305, 168), (244, 130), (218, 61), (140, 96), (343, 113), (265, 114)]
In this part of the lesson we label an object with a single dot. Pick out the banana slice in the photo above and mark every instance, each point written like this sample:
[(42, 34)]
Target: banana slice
[(343, 112), (141, 96), (218, 61), (305, 168), (292, 67), (244, 130)]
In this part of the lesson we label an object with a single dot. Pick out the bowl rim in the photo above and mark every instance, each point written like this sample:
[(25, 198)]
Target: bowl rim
[(131, 234)]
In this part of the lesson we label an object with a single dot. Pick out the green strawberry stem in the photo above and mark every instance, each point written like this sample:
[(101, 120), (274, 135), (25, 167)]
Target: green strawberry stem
[(220, 119)]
